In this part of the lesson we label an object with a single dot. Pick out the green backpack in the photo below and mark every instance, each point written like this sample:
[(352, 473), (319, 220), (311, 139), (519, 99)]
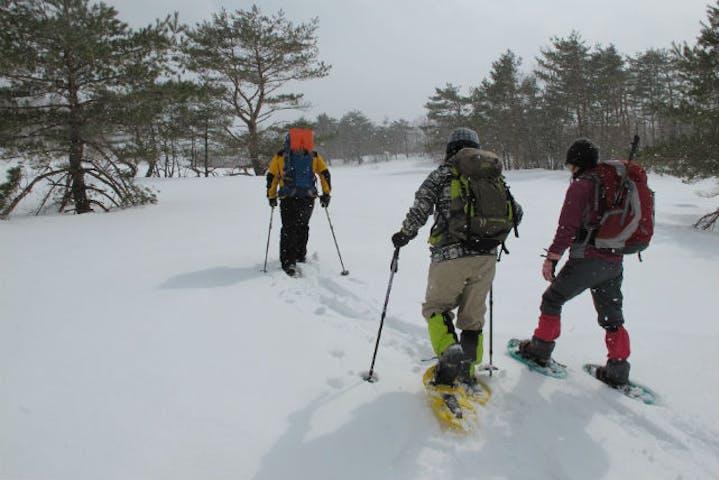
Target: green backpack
[(481, 206)]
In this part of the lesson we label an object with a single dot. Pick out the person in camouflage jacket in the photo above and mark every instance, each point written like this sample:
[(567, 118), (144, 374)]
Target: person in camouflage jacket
[(459, 277)]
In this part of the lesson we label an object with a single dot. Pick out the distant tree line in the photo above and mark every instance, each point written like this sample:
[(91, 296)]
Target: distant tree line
[(354, 138), (88, 104), (669, 97)]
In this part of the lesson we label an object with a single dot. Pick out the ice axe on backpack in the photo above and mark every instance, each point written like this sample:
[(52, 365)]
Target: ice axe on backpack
[(632, 153)]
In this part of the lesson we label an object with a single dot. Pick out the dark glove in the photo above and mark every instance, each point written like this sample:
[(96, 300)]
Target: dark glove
[(550, 265), (273, 202), (325, 200), (400, 239)]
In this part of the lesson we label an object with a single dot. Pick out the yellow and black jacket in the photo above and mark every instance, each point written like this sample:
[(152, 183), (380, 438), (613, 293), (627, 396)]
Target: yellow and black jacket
[(279, 184)]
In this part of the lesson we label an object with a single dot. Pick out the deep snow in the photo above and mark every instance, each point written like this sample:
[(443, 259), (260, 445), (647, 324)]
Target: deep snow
[(147, 344)]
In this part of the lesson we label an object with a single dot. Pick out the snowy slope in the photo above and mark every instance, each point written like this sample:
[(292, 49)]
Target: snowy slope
[(147, 344)]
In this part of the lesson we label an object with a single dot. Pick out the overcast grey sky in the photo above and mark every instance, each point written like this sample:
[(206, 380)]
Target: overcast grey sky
[(388, 56)]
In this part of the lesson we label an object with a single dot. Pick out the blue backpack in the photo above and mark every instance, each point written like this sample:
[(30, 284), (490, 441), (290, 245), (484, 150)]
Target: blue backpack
[(298, 178)]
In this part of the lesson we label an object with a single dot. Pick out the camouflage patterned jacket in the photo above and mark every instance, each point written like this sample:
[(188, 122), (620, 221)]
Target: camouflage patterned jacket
[(433, 196)]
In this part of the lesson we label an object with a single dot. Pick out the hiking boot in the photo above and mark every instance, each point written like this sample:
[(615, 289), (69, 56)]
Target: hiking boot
[(472, 344), (448, 365), (537, 350), (468, 381), (465, 374), (615, 372), (290, 270)]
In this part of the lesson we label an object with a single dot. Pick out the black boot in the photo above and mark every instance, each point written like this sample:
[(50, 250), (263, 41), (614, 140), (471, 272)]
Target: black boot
[(290, 269), (615, 372), (537, 350), (448, 365), (469, 340)]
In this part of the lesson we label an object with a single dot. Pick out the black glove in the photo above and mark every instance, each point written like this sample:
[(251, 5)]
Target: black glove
[(325, 200), (400, 239), (273, 202)]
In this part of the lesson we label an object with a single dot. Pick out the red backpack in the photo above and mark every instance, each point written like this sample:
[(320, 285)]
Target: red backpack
[(626, 206)]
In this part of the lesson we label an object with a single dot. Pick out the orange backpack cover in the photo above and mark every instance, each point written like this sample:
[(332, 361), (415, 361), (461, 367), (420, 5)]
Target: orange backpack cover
[(301, 139)]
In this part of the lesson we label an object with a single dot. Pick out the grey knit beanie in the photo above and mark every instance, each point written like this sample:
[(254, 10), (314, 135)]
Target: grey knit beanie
[(461, 138)]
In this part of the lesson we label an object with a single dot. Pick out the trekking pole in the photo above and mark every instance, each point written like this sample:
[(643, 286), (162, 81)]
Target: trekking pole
[(344, 270), (491, 329), (491, 319), (267, 250), (370, 376)]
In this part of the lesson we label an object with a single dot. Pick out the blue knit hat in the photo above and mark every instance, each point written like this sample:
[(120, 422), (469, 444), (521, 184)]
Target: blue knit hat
[(461, 138)]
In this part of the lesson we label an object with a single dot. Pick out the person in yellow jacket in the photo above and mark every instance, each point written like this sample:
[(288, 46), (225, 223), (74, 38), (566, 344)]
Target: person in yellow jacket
[(292, 178)]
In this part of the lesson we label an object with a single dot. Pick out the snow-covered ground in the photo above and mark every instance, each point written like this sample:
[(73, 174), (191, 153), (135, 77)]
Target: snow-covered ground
[(148, 344)]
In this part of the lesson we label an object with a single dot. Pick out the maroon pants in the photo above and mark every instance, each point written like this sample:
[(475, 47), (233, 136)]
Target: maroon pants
[(604, 281)]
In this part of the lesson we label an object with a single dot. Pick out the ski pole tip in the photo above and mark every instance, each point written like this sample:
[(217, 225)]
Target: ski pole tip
[(370, 377)]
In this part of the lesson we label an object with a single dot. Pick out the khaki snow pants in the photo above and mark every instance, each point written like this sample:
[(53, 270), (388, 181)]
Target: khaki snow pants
[(462, 282)]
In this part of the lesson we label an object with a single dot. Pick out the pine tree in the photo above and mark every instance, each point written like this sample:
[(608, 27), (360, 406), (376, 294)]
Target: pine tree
[(177, 125), (326, 131), (694, 151), (399, 137), (355, 130), (67, 71), (498, 109), (253, 57), (565, 72), (652, 82), (446, 109), (610, 117)]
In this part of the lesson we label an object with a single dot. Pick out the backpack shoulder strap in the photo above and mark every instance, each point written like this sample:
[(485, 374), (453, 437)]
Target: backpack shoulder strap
[(513, 206), (599, 197)]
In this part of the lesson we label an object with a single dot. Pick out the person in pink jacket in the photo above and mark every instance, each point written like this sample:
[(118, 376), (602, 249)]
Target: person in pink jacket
[(599, 271)]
